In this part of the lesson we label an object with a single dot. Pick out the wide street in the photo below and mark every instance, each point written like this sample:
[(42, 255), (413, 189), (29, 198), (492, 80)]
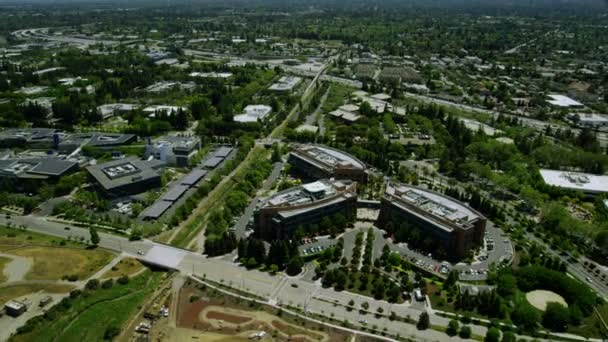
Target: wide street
[(275, 289)]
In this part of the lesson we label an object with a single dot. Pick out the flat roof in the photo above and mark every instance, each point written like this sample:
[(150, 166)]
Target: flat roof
[(585, 182), (194, 177), (329, 156), (223, 151), (435, 204), (302, 194), (52, 167), (120, 172), (157, 209), (175, 192), (563, 101), (213, 162)]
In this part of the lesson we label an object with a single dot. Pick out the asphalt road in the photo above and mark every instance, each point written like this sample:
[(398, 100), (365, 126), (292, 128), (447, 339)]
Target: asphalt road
[(240, 228)]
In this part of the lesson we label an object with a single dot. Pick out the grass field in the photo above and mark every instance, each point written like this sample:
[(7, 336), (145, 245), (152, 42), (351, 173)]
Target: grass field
[(52, 263), (88, 317), (3, 262), (125, 267), (9, 237), (338, 93), (9, 292), (592, 326)]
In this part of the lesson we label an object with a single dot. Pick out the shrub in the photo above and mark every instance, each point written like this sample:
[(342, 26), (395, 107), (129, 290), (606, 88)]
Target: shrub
[(123, 280)]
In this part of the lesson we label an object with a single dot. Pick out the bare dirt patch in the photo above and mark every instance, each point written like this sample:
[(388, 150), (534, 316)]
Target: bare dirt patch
[(205, 310), (230, 318), (540, 298)]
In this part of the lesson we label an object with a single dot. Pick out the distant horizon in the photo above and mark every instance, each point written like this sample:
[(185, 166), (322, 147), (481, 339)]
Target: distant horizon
[(580, 4)]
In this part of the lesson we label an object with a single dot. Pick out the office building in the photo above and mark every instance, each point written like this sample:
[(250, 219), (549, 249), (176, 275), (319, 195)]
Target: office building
[(173, 150), (129, 176), (253, 113), (450, 224), (279, 216), (317, 161)]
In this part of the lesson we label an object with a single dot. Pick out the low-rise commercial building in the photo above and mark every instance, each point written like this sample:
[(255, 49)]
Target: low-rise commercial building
[(129, 176), (587, 183), (318, 161), (36, 168), (253, 113), (285, 84), (450, 224), (112, 109), (279, 216), (173, 150), (590, 120)]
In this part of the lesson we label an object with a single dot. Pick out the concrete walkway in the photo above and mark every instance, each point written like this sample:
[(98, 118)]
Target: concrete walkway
[(17, 268)]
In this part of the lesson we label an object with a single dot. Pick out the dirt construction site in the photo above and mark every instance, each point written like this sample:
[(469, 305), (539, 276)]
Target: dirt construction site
[(205, 314)]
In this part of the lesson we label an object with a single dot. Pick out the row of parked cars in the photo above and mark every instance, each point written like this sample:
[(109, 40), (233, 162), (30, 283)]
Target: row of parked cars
[(313, 250)]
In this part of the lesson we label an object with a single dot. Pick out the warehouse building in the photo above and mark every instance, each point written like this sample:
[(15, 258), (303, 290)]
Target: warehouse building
[(452, 225), (317, 161), (129, 176), (279, 216)]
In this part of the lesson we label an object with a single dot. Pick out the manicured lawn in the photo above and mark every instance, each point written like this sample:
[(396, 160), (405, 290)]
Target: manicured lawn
[(9, 237), (88, 316), (591, 326), (338, 93), (10, 292), (52, 263), (125, 267)]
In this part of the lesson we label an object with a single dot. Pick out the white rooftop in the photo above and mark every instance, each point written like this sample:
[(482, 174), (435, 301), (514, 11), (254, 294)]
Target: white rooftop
[(315, 187), (585, 182), (563, 101), (253, 113)]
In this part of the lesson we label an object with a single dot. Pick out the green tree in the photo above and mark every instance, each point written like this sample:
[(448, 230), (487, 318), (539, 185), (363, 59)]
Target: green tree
[(94, 236), (452, 329), (556, 317), (508, 336), (465, 332), (525, 316), (493, 335), (424, 321), (295, 266)]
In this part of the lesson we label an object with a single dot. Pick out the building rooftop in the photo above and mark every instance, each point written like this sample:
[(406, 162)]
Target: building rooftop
[(213, 162), (253, 113), (36, 167), (222, 151), (175, 192), (186, 143), (120, 172), (211, 74), (329, 157), (438, 207), (304, 194), (563, 101), (585, 182), (593, 118), (194, 177), (156, 210), (47, 135), (286, 83)]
